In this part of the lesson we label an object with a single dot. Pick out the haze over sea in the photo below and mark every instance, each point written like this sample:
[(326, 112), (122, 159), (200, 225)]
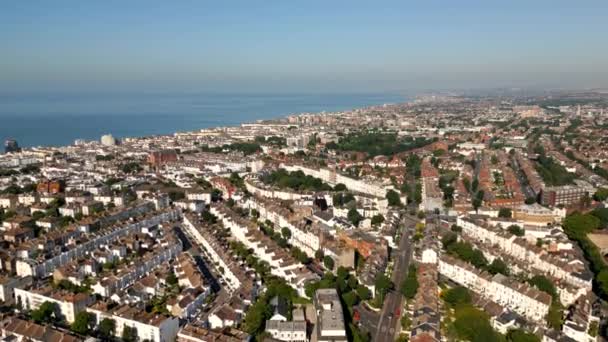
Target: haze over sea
[(55, 119)]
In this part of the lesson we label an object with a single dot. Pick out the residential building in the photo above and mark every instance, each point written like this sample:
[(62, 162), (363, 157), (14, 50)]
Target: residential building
[(148, 326), (329, 326)]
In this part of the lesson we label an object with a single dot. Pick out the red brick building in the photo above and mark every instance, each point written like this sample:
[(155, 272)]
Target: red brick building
[(158, 158), (50, 187)]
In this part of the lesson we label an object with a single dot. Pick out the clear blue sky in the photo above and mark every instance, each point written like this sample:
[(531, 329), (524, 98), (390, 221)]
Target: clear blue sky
[(302, 45)]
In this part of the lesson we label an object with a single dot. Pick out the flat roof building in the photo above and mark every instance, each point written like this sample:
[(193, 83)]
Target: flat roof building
[(330, 318)]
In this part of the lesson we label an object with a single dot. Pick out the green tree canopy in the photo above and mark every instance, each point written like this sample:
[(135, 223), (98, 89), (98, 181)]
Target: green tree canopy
[(383, 285), (83, 323), (363, 292), (519, 335), (516, 230), (601, 194), (457, 295), (328, 262), (580, 225), (354, 217), (129, 334), (340, 187), (409, 287), (504, 212), (286, 233), (393, 198), (543, 284), (473, 325), (46, 312), (377, 220), (498, 266), (106, 328)]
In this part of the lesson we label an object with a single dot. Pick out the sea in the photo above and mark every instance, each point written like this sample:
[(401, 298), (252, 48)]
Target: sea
[(57, 119)]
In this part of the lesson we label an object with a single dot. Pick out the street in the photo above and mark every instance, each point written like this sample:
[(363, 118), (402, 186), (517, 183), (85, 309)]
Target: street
[(389, 324)]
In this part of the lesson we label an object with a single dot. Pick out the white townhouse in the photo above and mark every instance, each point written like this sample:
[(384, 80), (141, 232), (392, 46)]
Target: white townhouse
[(213, 250), (305, 239), (126, 276), (519, 297), (68, 304), (42, 268), (282, 264), (148, 326), (573, 272), (370, 187)]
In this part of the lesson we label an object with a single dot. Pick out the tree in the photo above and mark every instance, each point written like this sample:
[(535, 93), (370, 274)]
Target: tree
[(216, 194), (363, 292), (377, 220), (593, 330), (393, 198), (409, 287), (342, 198), (543, 284), (602, 215), (505, 212), (129, 334), (176, 195), (328, 262), (340, 187), (601, 194), (46, 312), (448, 239), (319, 254), (579, 225), (107, 328), (83, 323), (132, 167), (472, 324), (530, 200), (478, 200), (457, 295), (555, 317), (286, 233), (171, 279), (350, 299), (519, 335), (383, 284), (354, 217), (498, 266), (256, 316), (516, 230)]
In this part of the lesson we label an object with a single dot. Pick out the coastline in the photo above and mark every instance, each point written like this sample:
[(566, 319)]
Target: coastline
[(33, 126)]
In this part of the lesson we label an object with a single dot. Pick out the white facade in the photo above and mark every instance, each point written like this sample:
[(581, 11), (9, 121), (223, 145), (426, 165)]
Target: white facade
[(520, 249), (43, 268), (332, 177), (521, 298), (162, 329), (136, 271), (306, 241), (8, 285), (292, 331), (68, 307), (231, 279)]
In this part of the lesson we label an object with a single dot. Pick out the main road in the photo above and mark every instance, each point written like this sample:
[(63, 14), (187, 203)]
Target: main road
[(389, 323)]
